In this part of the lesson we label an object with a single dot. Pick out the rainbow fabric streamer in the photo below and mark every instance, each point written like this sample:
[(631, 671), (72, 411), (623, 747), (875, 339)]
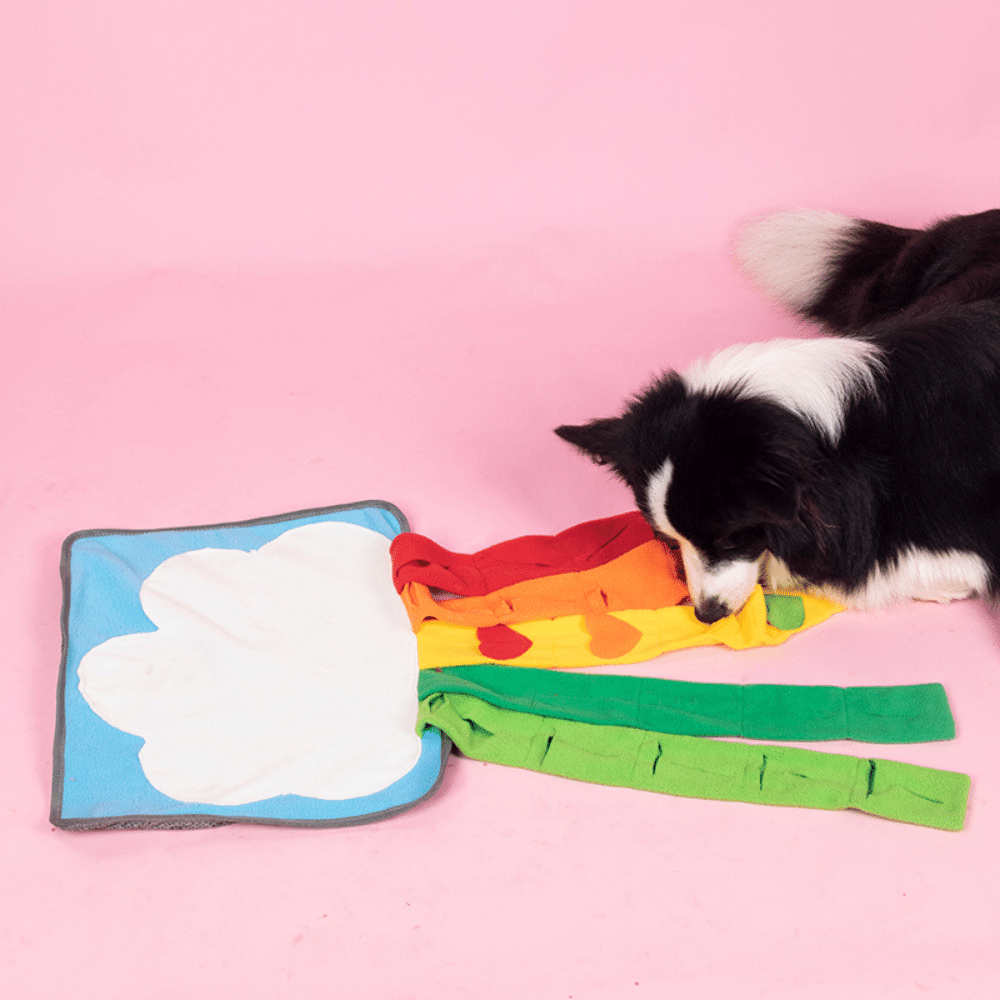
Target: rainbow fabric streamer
[(699, 768), (566, 642), (905, 713), (602, 592)]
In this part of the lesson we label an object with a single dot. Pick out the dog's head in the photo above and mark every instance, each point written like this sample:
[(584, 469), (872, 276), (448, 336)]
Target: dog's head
[(720, 473)]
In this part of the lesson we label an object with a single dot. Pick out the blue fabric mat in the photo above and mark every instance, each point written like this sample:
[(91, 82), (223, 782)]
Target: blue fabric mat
[(98, 777)]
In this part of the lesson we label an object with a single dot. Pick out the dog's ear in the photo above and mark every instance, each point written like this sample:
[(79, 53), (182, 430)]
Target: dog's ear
[(775, 499), (600, 440), (781, 466), (777, 480)]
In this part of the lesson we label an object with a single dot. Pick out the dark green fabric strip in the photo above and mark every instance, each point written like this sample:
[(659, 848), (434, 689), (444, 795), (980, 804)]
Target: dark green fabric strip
[(699, 768), (914, 713)]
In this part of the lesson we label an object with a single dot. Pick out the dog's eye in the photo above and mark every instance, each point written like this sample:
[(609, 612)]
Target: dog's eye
[(740, 541)]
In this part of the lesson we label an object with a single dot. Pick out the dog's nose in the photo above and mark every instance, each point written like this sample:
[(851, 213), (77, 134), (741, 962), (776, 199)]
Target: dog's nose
[(710, 611)]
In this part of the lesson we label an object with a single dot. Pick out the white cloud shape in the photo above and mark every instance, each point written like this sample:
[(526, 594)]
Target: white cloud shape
[(288, 670)]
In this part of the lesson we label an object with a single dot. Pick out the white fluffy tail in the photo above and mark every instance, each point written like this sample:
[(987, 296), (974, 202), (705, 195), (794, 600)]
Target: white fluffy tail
[(792, 255)]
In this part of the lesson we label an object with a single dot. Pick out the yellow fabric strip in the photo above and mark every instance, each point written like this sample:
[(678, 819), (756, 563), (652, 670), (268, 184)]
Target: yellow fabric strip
[(563, 642)]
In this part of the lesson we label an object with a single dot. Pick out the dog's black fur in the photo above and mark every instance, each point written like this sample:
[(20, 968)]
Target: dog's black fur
[(904, 501)]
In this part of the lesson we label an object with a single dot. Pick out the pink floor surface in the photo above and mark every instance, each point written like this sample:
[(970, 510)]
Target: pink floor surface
[(261, 257)]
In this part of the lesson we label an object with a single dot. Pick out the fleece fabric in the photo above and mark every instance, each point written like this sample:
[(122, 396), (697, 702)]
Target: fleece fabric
[(567, 642), (582, 547), (200, 665), (912, 713), (697, 767), (644, 577)]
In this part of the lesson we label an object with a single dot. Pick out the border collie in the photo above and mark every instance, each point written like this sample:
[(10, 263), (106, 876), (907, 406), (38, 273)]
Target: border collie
[(863, 466)]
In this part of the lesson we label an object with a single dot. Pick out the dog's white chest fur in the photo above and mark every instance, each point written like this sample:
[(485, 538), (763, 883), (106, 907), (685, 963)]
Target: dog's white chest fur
[(917, 575)]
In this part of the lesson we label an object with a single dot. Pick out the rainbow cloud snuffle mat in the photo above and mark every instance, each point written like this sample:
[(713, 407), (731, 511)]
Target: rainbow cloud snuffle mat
[(315, 668)]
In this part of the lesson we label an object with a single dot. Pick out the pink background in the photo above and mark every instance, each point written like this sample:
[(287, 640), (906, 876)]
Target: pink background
[(265, 255)]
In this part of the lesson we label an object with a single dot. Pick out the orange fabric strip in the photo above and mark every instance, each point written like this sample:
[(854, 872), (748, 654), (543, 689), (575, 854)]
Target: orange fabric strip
[(643, 578)]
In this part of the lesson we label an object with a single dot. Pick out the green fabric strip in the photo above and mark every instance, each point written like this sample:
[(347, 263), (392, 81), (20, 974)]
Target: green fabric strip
[(699, 768), (915, 713)]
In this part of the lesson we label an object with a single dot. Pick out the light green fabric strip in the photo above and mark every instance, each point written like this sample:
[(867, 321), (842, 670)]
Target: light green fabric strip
[(696, 767)]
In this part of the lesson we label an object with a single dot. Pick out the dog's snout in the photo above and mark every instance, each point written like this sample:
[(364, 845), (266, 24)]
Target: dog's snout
[(710, 611)]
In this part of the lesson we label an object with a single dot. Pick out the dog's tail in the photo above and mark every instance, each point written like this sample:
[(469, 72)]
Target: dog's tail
[(846, 273)]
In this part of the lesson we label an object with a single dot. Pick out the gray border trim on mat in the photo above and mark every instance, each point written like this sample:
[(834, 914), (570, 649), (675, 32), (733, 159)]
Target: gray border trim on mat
[(199, 821), (192, 821)]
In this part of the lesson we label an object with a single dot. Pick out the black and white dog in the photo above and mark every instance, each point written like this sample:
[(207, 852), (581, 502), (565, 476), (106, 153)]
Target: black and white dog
[(864, 466)]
